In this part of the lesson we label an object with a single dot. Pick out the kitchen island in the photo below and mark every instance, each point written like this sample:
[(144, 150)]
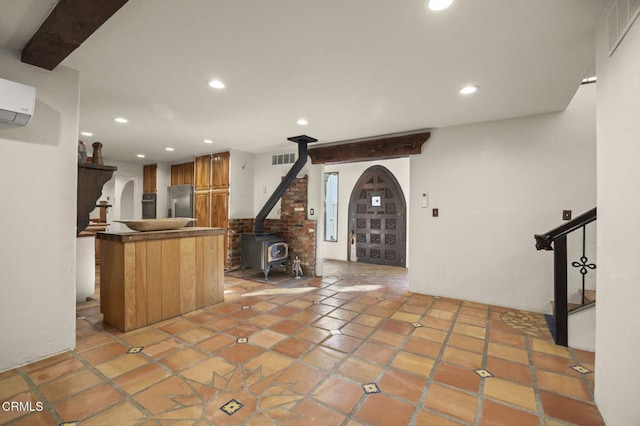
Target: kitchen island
[(147, 277)]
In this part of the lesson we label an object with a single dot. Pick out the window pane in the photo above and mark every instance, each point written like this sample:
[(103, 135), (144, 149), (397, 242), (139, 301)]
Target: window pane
[(331, 206)]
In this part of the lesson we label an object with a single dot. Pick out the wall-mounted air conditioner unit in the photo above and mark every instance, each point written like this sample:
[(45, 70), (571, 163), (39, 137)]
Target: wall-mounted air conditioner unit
[(17, 102)]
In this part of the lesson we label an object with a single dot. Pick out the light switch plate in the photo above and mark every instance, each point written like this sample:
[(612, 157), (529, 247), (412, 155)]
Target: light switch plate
[(566, 214)]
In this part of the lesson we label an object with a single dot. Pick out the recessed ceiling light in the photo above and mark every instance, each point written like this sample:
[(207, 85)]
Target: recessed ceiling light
[(208, 141), (140, 155), (86, 133), (302, 122), (121, 120), (437, 5), (467, 90), (216, 84), (169, 149)]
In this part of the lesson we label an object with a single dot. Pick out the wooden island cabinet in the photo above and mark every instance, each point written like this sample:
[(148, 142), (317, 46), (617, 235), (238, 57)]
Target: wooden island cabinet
[(147, 277)]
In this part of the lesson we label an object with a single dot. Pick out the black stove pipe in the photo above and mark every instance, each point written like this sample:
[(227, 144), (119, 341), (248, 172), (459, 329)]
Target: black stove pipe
[(302, 142)]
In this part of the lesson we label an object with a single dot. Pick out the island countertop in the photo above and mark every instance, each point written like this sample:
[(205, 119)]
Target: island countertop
[(132, 236)]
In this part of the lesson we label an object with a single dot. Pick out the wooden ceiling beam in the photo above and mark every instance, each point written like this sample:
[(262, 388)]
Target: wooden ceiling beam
[(382, 148), (68, 25)]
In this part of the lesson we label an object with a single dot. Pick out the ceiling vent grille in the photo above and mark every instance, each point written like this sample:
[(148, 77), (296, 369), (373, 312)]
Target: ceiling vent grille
[(289, 158), (621, 16)]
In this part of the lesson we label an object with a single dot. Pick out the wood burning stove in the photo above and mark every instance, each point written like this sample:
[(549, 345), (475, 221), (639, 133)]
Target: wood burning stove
[(263, 250)]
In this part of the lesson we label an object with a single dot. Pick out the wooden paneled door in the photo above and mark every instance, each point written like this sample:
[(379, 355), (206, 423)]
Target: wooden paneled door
[(150, 178), (220, 171), (202, 207), (377, 224), (220, 214), (203, 173)]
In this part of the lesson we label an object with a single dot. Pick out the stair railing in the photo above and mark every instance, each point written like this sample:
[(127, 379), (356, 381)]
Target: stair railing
[(556, 240)]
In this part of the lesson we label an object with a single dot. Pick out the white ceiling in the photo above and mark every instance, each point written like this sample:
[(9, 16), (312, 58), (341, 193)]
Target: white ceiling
[(352, 68)]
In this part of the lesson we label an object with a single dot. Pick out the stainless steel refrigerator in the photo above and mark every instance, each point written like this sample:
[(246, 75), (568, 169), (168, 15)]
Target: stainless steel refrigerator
[(180, 201)]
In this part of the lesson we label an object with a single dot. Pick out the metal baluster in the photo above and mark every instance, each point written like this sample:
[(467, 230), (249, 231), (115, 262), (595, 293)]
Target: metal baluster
[(583, 264)]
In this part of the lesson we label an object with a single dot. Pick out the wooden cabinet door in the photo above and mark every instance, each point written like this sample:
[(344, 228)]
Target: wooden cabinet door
[(187, 173), (219, 209), (149, 178), (220, 216), (176, 175), (202, 205), (203, 173), (220, 171), (182, 174)]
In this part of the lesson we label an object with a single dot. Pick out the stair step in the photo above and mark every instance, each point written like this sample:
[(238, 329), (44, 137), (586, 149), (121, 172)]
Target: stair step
[(571, 307), (589, 296)]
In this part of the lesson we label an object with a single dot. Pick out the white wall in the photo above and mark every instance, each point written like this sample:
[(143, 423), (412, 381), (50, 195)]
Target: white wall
[(38, 175), (348, 175), (617, 318), (267, 177), (112, 190), (163, 181), (496, 184), (241, 185)]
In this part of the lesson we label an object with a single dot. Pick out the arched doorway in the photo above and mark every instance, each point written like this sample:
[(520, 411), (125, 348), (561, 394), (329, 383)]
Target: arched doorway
[(377, 219)]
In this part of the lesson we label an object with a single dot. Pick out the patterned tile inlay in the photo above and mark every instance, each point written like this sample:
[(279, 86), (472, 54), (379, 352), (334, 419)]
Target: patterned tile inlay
[(135, 349), (242, 340), (231, 407), (527, 322), (69, 423), (580, 369), (246, 307), (380, 298), (417, 324), (335, 332), (483, 373), (370, 388)]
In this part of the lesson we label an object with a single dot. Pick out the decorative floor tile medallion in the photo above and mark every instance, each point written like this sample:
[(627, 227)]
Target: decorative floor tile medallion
[(246, 307), (231, 407), (417, 324), (69, 424), (580, 369), (135, 350), (335, 332), (370, 388), (380, 298), (527, 322), (242, 340), (483, 373)]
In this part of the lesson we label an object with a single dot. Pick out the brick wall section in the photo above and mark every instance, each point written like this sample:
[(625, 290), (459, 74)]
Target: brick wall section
[(293, 226)]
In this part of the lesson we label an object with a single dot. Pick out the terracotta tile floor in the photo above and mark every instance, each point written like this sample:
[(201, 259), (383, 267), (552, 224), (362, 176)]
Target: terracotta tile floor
[(313, 351)]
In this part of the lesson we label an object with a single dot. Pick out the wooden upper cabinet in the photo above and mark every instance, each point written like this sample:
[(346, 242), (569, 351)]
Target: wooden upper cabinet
[(149, 178), (182, 174), (220, 170), (187, 173), (203, 173)]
